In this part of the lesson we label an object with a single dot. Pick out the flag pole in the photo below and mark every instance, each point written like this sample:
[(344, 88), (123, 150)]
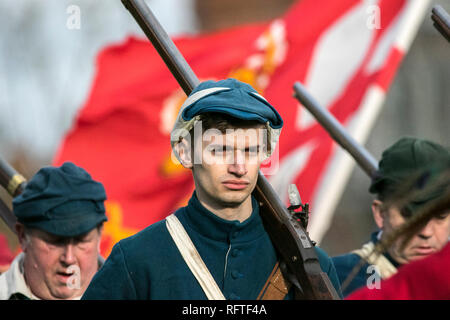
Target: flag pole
[(340, 168)]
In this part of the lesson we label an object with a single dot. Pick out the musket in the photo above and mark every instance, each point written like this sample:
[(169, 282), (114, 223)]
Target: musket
[(7, 216), (334, 128), (14, 183), (287, 234), (369, 165), (364, 159), (441, 21), (10, 179)]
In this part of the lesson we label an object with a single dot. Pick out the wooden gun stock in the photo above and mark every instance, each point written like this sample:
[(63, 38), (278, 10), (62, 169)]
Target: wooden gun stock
[(293, 244), (288, 236)]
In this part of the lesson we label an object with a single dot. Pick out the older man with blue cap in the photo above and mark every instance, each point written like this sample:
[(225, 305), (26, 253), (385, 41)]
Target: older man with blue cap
[(216, 247), (60, 216)]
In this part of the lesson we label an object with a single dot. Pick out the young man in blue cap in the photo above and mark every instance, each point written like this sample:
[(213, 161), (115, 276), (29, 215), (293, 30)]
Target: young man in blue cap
[(60, 216), (216, 247), (406, 181)]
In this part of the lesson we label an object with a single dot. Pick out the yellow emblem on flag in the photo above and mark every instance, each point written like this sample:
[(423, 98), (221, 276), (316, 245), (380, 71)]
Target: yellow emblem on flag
[(113, 229)]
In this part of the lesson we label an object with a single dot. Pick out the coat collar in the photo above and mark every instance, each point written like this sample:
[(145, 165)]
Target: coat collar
[(211, 226), (375, 237), (14, 280)]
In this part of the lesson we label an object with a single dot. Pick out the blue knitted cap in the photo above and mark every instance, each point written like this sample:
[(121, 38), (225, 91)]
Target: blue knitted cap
[(63, 201)]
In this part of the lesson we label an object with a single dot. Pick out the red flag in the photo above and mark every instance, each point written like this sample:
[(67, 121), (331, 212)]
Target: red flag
[(6, 256), (121, 135)]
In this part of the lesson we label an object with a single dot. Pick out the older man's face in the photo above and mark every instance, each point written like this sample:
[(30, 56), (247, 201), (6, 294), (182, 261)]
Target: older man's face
[(60, 267), (430, 239)]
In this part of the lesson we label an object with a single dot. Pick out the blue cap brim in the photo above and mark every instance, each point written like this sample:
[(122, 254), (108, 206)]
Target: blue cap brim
[(236, 103), (70, 227)]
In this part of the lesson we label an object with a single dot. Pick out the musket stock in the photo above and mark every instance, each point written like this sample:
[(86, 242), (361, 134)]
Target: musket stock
[(288, 236), (293, 244)]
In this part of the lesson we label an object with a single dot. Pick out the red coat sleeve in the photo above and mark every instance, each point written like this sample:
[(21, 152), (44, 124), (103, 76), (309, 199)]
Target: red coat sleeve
[(426, 279)]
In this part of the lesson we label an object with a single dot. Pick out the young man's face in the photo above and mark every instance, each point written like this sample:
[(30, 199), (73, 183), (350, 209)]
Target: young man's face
[(59, 267), (226, 165), (430, 239)]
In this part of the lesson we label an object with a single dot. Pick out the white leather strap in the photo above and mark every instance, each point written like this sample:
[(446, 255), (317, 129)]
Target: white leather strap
[(385, 267), (193, 259)]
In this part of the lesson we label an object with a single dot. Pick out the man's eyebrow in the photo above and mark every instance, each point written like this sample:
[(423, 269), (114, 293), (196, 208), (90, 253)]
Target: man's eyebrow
[(55, 239)]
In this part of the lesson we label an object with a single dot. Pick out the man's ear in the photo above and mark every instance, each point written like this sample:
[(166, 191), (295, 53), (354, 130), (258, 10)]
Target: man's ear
[(23, 240), (378, 212), (183, 149), (99, 230)]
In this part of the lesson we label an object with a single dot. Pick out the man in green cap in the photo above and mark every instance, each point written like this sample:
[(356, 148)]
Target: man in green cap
[(60, 216), (408, 179)]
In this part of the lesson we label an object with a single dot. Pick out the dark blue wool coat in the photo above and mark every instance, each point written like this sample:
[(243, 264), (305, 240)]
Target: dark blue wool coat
[(148, 265), (345, 263)]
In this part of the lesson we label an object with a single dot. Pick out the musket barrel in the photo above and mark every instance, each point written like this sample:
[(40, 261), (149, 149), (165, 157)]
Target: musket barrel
[(10, 179), (441, 21), (7, 216), (14, 183), (163, 44), (365, 160)]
